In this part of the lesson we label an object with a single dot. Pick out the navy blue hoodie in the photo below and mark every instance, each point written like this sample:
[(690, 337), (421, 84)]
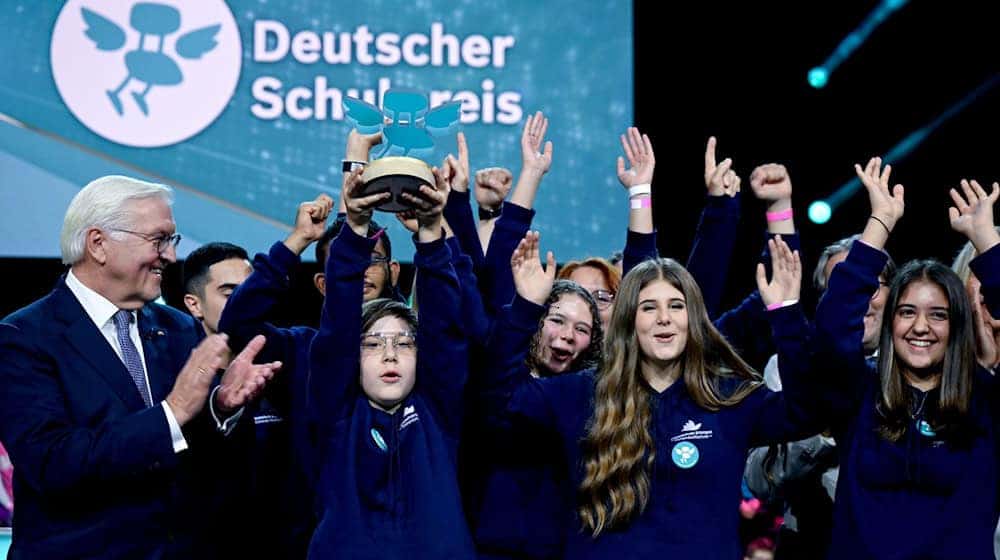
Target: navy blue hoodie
[(281, 473), (696, 479), (387, 482), (920, 497), (520, 498)]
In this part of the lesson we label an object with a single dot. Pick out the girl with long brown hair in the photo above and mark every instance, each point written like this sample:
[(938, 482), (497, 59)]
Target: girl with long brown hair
[(655, 438)]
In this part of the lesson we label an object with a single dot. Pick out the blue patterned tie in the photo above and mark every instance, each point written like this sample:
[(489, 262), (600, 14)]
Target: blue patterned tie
[(131, 355)]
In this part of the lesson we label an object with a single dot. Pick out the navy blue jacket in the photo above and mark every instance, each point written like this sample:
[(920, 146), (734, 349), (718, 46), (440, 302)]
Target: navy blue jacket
[(695, 483), (496, 281), (458, 213), (96, 475), (521, 494), (508, 501), (921, 497), (282, 473), (402, 502), (281, 479)]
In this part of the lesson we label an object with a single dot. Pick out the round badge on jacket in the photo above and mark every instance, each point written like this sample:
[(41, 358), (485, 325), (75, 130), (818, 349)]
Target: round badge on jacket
[(925, 429), (685, 455)]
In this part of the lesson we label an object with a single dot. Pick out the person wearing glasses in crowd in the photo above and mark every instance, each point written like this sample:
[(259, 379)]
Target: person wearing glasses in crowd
[(597, 276), (386, 397), (111, 408)]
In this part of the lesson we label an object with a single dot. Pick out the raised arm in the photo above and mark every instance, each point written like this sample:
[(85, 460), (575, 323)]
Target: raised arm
[(772, 185), (458, 211), (515, 221), (442, 355), (839, 328), (972, 216), (535, 162), (637, 180), (493, 184), (359, 147), (334, 354), (744, 324), (252, 303), (511, 391), (789, 414), (712, 249)]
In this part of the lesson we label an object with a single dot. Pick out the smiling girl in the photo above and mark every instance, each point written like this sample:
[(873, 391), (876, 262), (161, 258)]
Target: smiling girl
[(916, 431)]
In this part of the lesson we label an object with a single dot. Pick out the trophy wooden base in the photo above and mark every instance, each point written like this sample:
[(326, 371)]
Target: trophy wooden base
[(396, 175)]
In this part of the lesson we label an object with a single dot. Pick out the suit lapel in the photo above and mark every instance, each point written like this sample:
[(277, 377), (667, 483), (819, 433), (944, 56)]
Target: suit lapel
[(83, 336), (155, 347)]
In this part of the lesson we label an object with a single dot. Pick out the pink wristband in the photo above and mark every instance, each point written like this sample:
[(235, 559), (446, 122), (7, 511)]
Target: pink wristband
[(643, 202), (780, 304), (779, 216)]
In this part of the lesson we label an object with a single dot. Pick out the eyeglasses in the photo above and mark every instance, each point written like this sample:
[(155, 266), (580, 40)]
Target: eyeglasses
[(604, 298), (375, 343), (161, 242), (378, 259)]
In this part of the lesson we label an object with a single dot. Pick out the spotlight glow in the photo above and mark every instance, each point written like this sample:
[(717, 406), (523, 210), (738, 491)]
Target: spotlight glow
[(819, 212), (818, 77)]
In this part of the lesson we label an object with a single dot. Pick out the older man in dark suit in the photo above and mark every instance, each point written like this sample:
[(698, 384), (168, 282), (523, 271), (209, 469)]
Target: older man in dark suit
[(103, 399)]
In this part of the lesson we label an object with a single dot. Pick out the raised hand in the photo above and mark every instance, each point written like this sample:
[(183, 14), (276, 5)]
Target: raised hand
[(720, 179), (492, 187), (532, 281), (310, 223), (972, 214), (887, 206), (786, 274), (987, 349), (359, 208), (641, 160), (533, 159), (770, 182), (191, 388), (244, 380), (459, 176)]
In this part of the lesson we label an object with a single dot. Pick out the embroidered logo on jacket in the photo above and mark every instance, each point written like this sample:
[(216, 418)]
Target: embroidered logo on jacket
[(692, 430), (690, 426), (409, 416)]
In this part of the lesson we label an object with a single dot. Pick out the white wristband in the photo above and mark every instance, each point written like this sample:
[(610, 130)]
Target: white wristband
[(639, 190)]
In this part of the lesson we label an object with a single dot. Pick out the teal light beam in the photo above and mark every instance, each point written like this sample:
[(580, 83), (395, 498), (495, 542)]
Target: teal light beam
[(903, 148)]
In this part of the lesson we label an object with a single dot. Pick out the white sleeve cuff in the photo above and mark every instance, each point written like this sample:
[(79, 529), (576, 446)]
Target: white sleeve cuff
[(180, 444), (225, 426)]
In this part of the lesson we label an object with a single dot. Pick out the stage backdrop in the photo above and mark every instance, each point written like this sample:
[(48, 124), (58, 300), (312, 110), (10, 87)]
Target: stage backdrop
[(238, 104)]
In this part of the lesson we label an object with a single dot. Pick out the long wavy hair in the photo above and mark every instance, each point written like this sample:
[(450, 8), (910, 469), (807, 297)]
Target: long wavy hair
[(948, 417), (588, 358), (618, 449)]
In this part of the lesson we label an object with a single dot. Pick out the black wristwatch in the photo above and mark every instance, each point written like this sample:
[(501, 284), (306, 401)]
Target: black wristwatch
[(350, 165), (487, 214)]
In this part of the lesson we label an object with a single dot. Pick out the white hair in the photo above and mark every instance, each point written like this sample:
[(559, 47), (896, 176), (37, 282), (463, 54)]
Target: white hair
[(102, 204), (961, 264)]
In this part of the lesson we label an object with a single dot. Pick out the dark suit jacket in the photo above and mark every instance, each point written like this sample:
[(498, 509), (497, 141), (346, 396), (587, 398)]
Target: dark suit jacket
[(95, 473)]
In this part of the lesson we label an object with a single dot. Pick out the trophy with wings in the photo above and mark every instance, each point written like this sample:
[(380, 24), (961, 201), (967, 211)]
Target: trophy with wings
[(409, 127)]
